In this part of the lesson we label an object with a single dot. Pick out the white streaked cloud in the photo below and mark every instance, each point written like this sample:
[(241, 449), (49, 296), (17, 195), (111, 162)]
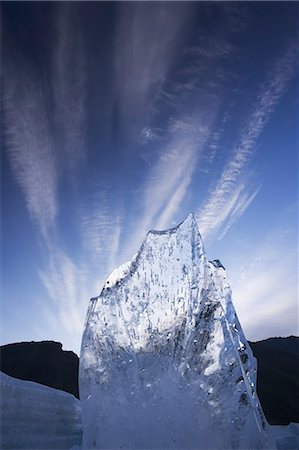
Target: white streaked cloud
[(163, 192), (170, 170), (147, 40), (100, 230), (29, 144), (232, 209), (65, 285), (175, 201), (240, 203), (40, 143), (62, 280), (167, 183), (188, 131), (229, 199), (45, 126)]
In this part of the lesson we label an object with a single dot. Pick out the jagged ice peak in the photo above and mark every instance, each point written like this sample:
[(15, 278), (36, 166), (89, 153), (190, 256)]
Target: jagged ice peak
[(164, 362)]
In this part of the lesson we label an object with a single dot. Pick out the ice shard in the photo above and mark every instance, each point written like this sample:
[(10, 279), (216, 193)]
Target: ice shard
[(164, 362)]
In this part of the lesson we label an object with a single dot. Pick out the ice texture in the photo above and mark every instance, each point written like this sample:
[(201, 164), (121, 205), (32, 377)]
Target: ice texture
[(38, 417), (164, 362)]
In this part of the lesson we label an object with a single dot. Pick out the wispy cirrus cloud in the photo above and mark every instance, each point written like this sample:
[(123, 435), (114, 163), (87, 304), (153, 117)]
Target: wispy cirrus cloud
[(101, 227), (204, 76), (233, 207), (175, 201), (44, 114), (146, 43), (168, 180), (236, 208), (65, 284), (29, 144), (181, 143), (170, 176), (230, 197), (189, 127), (41, 142)]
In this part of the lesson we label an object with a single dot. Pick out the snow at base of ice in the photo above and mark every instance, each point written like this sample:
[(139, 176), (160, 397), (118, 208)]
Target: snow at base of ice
[(286, 437), (38, 417), (164, 362)]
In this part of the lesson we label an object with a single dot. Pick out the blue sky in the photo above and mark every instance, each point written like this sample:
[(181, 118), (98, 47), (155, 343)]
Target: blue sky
[(122, 117)]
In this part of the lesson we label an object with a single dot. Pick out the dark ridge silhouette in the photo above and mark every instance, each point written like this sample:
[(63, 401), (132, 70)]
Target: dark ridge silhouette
[(43, 362), (278, 378), (277, 382)]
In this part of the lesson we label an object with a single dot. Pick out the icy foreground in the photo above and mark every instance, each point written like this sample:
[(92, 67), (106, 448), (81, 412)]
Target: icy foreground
[(37, 417), (164, 362)]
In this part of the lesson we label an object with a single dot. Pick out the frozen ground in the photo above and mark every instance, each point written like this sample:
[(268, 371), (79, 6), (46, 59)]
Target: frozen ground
[(37, 417), (286, 437)]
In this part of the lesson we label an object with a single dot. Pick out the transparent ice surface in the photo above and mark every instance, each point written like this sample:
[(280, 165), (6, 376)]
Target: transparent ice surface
[(38, 417), (164, 362)]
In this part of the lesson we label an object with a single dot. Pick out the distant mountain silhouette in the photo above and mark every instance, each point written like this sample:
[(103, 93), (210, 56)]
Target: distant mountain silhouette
[(278, 378), (277, 384), (44, 362)]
